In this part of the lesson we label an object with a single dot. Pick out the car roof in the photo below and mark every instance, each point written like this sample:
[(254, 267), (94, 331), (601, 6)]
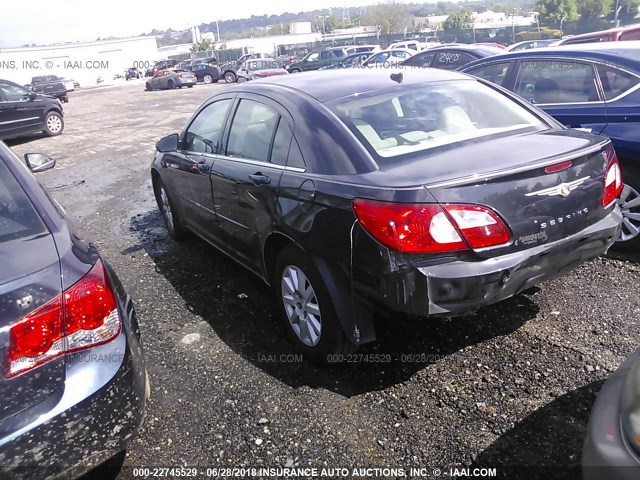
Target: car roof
[(328, 85), (484, 50), (622, 53)]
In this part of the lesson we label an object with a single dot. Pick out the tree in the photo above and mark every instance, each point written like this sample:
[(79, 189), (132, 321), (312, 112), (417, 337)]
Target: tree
[(459, 19), (555, 11), (594, 8), (629, 10), (203, 45), (390, 17)]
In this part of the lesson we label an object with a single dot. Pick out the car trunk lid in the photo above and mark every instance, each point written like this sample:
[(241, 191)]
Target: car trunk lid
[(545, 186), (20, 295)]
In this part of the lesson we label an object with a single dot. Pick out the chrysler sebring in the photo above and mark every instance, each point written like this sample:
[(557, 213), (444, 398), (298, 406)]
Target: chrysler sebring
[(423, 191)]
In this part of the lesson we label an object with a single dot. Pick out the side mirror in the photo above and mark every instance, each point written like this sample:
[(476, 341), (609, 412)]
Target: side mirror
[(39, 162), (33, 95), (168, 143)]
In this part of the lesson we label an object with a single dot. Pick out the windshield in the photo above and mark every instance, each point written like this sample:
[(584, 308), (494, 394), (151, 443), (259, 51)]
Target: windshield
[(415, 118)]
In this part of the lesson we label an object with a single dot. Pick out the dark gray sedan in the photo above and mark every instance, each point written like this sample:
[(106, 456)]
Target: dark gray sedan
[(73, 384), (170, 79)]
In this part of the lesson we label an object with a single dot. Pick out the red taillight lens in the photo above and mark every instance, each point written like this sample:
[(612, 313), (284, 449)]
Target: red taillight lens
[(85, 316), (612, 178), (180, 76), (430, 228)]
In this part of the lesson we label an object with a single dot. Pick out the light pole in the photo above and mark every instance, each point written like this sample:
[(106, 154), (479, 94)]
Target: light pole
[(217, 30), (323, 28)]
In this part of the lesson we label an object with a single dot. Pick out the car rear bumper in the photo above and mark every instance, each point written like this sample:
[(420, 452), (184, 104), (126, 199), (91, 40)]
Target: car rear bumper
[(460, 287), (186, 81), (101, 407), (606, 453)]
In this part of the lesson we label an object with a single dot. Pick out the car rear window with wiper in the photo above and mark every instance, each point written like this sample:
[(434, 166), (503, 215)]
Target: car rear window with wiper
[(411, 119), (18, 218)]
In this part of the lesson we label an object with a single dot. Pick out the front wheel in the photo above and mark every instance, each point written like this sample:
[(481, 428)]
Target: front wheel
[(169, 213), (230, 77), (148, 87), (629, 238), (295, 70), (53, 124), (307, 309)]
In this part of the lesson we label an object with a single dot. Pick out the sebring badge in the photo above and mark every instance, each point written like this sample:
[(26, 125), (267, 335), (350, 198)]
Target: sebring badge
[(564, 189)]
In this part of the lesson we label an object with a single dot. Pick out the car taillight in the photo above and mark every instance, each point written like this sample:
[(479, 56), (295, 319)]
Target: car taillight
[(179, 75), (612, 178), (431, 228), (86, 315)]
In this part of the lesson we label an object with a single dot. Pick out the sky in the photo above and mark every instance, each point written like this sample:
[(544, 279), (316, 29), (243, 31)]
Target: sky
[(35, 21)]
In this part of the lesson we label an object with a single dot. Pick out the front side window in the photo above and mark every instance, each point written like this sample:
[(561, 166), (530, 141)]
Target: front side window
[(18, 218), (204, 135), (13, 93), (615, 82), (417, 118), (252, 131), (556, 81), (494, 73), (313, 57)]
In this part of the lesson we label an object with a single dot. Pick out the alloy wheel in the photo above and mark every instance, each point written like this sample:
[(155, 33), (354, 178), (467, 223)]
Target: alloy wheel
[(166, 208), (54, 124), (301, 305), (629, 203), (207, 79)]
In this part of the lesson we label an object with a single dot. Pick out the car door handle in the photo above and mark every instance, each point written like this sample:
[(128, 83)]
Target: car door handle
[(259, 179)]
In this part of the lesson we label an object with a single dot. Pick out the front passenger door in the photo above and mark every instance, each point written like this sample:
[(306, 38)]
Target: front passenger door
[(245, 182)]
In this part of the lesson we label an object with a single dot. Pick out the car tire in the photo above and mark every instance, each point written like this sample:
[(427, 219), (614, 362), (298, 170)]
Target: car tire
[(629, 203), (65, 99), (170, 215), (319, 336), (518, 38), (295, 70), (53, 124), (189, 86), (171, 85), (148, 87), (230, 77), (207, 79)]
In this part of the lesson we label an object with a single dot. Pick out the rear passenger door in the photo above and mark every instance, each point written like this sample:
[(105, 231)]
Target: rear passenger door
[(245, 181), (568, 90)]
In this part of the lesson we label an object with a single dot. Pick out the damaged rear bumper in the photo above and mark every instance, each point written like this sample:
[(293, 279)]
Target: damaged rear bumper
[(462, 287)]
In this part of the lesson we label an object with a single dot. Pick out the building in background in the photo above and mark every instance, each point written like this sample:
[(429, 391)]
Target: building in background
[(299, 28), (83, 62)]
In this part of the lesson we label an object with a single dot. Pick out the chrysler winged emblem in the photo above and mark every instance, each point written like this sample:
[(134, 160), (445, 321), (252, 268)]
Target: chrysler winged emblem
[(563, 190)]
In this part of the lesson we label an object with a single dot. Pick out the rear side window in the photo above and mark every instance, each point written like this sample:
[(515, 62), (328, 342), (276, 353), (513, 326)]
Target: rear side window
[(18, 218), (452, 60), (615, 82), (420, 60), (556, 81), (494, 73)]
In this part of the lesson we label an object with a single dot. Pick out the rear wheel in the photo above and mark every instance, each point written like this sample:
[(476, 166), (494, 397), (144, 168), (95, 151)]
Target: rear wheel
[(307, 309), (207, 79), (629, 202), (169, 213), (295, 70), (171, 84), (53, 124)]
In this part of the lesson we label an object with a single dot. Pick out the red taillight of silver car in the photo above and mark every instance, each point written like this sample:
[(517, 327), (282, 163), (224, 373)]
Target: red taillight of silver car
[(612, 178), (84, 316), (431, 228)]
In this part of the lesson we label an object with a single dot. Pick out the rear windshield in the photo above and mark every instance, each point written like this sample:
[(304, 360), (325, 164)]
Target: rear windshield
[(18, 218), (412, 119)]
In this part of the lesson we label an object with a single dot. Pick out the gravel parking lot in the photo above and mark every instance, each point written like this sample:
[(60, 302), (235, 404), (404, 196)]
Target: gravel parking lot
[(510, 386)]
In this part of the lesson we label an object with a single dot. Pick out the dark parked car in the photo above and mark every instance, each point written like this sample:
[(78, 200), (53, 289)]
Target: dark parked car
[(612, 447), (591, 86), (170, 79), (73, 386), (50, 85), (131, 73), (451, 57), (206, 73), (351, 61), (23, 112), (529, 44), (420, 191), (316, 60)]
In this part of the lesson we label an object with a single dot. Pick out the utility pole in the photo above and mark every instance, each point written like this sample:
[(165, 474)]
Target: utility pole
[(218, 30)]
